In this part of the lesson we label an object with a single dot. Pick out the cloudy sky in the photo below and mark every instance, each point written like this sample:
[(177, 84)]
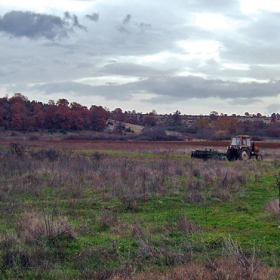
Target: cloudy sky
[(195, 56)]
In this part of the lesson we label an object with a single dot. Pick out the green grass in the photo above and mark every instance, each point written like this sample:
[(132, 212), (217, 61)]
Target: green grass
[(110, 235)]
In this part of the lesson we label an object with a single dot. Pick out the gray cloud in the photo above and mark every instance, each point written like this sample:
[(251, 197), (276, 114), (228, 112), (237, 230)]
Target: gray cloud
[(196, 87), (126, 20), (145, 25), (34, 25), (93, 17), (78, 89), (130, 69), (75, 21), (173, 89), (245, 101)]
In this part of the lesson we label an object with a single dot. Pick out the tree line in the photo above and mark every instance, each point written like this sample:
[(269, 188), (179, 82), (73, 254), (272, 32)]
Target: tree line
[(20, 114)]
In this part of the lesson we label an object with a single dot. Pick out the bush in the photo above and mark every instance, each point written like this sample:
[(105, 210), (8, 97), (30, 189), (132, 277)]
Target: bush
[(106, 219), (37, 227), (18, 149), (153, 134), (184, 225), (51, 154)]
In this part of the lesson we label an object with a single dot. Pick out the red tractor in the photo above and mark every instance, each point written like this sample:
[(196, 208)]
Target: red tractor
[(243, 148)]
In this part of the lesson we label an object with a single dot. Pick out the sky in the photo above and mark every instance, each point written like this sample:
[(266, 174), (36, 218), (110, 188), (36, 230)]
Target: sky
[(195, 56)]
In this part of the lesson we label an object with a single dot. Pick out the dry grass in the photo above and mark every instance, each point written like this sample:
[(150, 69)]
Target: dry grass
[(35, 227), (234, 265), (225, 268)]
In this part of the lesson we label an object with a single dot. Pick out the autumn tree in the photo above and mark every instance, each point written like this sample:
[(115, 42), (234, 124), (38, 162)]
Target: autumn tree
[(226, 124), (51, 121), (19, 114), (201, 123), (98, 117), (80, 116), (62, 102), (202, 128), (37, 115), (63, 114), (18, 97), (118, 115), (19, 119)]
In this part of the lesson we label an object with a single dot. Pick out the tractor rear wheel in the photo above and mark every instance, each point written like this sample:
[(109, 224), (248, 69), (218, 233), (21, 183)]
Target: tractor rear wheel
[(244, 154)]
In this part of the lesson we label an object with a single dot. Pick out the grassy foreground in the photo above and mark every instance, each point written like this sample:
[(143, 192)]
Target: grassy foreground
[(69, 214)]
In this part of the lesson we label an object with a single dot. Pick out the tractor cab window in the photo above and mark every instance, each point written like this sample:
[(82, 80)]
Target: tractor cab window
[(235, 141), (248, 142)]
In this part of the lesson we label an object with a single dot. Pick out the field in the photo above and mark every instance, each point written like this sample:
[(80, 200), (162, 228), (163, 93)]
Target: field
[(137, 210)]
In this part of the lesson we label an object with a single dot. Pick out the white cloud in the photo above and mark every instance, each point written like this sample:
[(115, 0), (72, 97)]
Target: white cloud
[(255, 6), (214, 21), (202, 49)]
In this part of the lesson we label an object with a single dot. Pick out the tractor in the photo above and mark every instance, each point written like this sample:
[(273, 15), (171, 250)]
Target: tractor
[(243, 148)]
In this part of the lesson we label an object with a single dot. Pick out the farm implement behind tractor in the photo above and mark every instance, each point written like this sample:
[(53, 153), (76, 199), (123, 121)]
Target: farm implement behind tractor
[(208, 154), (241, 147)]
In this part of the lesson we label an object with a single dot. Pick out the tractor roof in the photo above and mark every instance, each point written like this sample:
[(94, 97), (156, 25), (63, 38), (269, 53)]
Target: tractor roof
[(243, 136)]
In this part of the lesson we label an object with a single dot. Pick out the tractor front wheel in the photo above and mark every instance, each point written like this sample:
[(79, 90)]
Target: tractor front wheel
[(229, 155), (244, 154)]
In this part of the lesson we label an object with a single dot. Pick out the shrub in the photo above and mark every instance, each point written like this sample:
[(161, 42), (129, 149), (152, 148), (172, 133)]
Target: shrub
[(184, 225), (106, 219), (41, 154), (97, 156), (18, 149), (153, 134), (37, 227)]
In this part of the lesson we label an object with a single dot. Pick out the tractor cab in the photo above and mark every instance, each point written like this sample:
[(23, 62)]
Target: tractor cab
[(241, 140)]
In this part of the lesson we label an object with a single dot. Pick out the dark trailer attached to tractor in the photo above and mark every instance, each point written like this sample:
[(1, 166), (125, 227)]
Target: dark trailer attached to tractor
[(208, 154)]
